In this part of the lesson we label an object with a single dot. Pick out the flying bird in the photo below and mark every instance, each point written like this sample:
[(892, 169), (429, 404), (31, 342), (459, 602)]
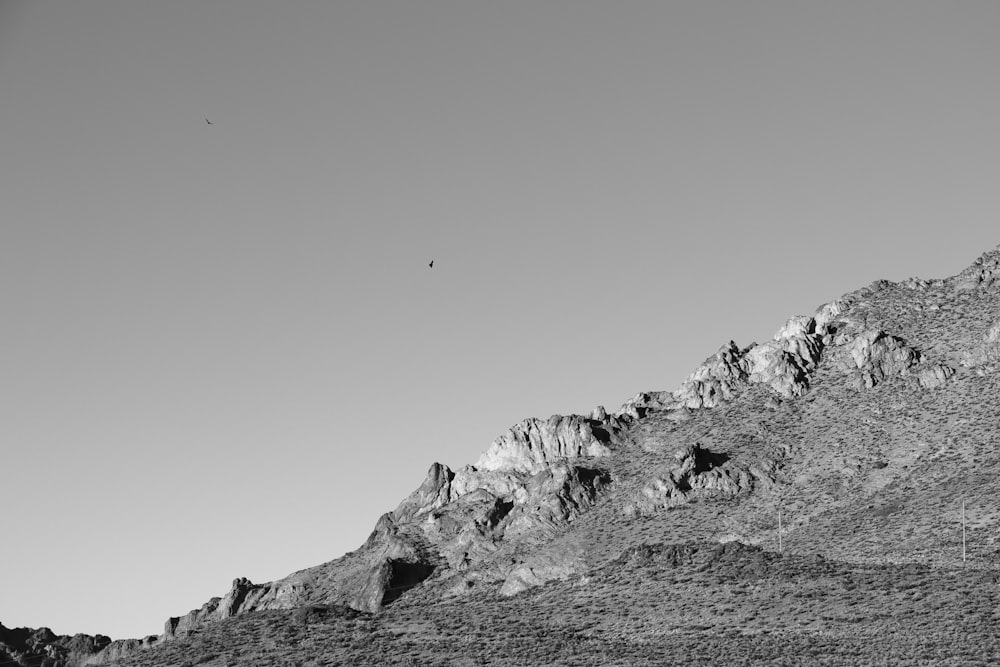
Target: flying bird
[(209, 122), (431, 265)]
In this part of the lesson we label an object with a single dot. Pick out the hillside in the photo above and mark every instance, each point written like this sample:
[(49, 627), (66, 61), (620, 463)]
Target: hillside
[(650, 535)]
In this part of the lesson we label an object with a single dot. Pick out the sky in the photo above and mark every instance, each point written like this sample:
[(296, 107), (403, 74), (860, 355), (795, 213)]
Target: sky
[(223, 352)]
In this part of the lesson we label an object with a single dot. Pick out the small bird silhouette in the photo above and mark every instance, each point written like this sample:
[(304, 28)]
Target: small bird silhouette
[(431, 264), (209, 122)]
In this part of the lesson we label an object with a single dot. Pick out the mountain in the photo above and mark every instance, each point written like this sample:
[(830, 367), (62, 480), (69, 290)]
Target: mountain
[(827, 496)]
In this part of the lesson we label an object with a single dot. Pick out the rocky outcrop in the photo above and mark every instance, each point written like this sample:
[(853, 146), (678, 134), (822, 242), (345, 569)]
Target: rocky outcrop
[(717, 379), (34, 647), (697, 473), (389, 580), (878, 355), (982, 273), (485, 507), (987, 353), (935, 376), (121, 649), (555, 497), (181, 626), (393, 560), (541, 568), (534, 444), (434, 492), (244, 596), (636, 407), (785, 363)]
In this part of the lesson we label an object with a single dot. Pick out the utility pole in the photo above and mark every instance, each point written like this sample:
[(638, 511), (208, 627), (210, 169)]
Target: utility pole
[(963, 530), (779, 530)]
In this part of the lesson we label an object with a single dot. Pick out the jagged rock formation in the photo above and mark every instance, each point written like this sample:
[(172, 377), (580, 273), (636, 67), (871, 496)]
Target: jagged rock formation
[(26, 646), (700, 473), (784, 364), (533, 444), (879, 355), (876, 407)]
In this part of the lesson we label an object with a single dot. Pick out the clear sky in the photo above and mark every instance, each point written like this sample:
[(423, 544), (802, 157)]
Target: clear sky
[(223, 351)]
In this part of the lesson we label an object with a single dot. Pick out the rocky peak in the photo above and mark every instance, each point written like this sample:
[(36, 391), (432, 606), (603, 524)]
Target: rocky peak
[(982, 273)]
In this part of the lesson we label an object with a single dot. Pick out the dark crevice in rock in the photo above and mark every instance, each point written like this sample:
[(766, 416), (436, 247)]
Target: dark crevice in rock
[(403, 576)]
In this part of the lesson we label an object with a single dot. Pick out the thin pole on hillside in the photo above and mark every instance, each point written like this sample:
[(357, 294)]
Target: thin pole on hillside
[(963, 530), (779, 530)]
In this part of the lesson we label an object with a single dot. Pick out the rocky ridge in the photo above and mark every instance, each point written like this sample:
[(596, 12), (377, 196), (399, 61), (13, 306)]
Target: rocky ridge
[(832, 417)]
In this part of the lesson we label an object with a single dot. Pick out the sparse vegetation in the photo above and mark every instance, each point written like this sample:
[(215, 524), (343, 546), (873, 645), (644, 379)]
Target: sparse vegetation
[(658, 604)]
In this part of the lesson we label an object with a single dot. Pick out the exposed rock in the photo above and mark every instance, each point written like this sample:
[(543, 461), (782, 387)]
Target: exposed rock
[(983, 272), (392, 561), (526, 576), (488, 506), (987, 352), (916, 283), (120, 649), (719, 378), (829, 312), (244, 596), (534, 444), (31, 647), (434, 492), (499, 483), (878, 355), (935, 376), (786, 362), (556, 496), (391, 579), (698, 472), (636, 407), (181, 626)]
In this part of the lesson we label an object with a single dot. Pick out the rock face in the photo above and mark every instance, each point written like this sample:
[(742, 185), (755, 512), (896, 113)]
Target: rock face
[(27, 646), (700, 473), (533, 444), (879, 355), (484, 507), (719, 378), (784, 364)]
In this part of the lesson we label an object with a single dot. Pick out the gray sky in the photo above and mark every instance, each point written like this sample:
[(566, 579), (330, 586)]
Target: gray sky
[(223, 352)]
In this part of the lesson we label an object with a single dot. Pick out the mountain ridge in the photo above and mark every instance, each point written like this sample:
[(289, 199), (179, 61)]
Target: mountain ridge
[(859, 424)]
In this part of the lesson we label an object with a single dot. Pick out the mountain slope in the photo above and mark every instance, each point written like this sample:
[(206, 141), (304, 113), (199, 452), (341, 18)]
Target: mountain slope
[(864, 426)]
